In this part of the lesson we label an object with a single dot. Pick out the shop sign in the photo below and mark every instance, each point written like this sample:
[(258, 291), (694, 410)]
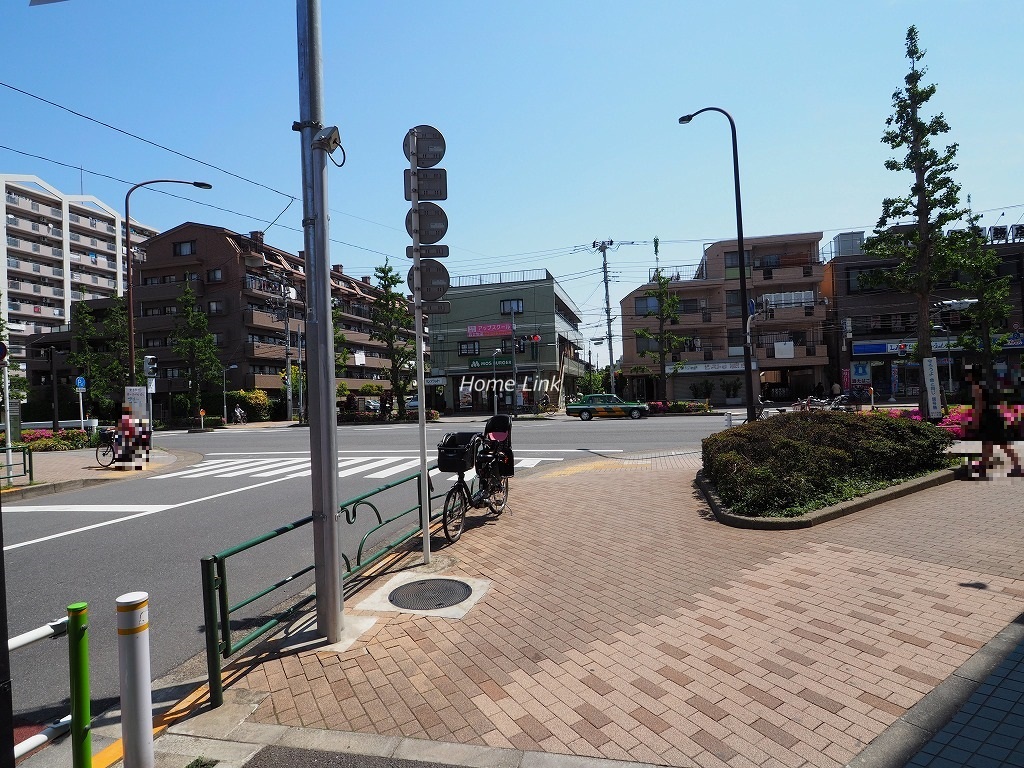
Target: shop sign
[(724, 366), (480, 363), (488, 329)]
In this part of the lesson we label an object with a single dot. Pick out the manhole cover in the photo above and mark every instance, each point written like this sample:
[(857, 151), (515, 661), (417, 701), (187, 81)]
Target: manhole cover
[(429, 594)]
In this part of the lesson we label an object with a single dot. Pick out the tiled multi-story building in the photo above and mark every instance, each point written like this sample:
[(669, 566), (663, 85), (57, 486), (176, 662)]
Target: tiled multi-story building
[(473, 348), (872, 322), (789, 356), (57, 248), (254, 297)]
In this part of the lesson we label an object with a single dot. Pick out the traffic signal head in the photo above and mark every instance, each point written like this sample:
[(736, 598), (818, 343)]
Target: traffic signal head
[(149, 365), (535, 338), (901, 350)]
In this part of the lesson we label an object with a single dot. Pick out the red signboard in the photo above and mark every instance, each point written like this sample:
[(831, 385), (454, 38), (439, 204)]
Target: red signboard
[(488, 329)]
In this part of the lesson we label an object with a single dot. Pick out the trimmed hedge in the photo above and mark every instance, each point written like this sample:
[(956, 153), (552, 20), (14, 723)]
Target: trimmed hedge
[(794, 463)]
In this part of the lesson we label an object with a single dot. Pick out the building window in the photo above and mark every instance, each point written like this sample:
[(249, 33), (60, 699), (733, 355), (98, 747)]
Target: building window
[(186, 248), (218, 338), (733, 307), (469, 348), (214, 275), (644, 345), (510, 306), (736, 339), (645, 305), (689, 306), (732, 264), (216, 307)]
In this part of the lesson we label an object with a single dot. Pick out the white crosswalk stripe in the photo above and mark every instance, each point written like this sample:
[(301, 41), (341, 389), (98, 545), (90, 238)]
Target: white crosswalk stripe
[(369, 466)]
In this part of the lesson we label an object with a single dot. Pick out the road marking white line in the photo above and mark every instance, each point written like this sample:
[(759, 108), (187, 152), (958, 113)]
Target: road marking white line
[(368, 465), (408, 464), (91, 508)]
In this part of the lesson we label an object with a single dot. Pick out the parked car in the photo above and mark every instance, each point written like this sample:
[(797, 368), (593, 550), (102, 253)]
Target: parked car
[(373, 405), (412, 403), (605, 405)]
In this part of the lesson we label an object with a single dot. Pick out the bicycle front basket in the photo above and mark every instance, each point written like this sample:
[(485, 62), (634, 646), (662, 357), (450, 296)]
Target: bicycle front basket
[(455, 452)]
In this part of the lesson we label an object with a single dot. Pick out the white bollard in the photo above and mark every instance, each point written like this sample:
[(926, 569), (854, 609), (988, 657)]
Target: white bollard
[(728, 420), (136, 689)]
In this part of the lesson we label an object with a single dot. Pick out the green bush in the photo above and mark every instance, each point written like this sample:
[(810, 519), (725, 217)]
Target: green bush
[(50, 444), (797, 462)]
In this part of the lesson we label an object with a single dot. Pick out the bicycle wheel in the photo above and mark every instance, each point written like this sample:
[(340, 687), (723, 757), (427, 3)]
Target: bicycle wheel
[(498, 498), (454, 517), (105, 454)]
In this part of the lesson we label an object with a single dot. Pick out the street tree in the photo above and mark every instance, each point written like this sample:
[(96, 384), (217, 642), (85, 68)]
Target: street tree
[(90, 356), (192, 341), (979, 279), (392, 326), (341, 353), (114, 365), (664, 340), (921, 253)]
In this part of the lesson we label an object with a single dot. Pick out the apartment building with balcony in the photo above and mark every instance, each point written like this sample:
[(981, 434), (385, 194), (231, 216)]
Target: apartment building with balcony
[(788, 355), (254, 296), (872, 322), (473, 348), (57, 248)]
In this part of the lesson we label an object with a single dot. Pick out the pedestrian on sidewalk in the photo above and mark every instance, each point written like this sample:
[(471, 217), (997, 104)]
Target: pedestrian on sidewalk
[(989, 426)]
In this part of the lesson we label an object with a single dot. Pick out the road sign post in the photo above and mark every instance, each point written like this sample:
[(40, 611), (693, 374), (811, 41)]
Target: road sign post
[(426, 223)]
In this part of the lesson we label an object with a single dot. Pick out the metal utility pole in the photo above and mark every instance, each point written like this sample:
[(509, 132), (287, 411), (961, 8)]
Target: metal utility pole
[(53, 385), (603, 247), (316, 142)]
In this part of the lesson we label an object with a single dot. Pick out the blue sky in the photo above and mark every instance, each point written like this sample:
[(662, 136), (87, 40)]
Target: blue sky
[(560, 118)]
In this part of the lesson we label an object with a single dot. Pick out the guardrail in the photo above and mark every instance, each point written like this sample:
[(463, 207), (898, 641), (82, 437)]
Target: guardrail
[(217, 608), (8, 465), (74, 626)]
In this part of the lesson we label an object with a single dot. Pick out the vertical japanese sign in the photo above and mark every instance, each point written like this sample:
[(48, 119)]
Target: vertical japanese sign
[(930, 371)]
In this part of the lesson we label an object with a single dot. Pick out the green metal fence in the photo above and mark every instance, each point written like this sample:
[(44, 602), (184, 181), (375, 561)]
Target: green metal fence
[(15, 466), (217, 607), (75, 626)]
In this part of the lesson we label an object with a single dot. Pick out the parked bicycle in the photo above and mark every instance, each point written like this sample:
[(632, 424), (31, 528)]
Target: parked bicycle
[(490, 455), (106, 451)]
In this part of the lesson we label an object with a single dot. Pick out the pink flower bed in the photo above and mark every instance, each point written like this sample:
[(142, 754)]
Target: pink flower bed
[(959, 417)]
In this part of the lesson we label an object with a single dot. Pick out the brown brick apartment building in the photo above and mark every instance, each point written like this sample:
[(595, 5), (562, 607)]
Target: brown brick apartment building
[(789, 355), (253, 294)]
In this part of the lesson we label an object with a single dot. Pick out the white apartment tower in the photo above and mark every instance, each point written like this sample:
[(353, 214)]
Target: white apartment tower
[(57, 248)]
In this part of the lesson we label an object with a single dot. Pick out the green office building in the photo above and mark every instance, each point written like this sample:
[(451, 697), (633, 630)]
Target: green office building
[(504, 327)]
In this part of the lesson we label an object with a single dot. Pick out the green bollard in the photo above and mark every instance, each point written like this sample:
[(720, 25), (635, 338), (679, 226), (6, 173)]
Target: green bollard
[(78, 658)]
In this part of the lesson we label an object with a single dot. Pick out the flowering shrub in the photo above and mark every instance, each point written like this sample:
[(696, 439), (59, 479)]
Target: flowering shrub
[(42, 444), (62, 440), (959, 417), (689, 406), (955, 422), (31, 435), (902, 413)]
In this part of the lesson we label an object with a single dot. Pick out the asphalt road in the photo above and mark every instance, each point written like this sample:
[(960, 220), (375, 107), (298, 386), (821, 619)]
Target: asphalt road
[(149, 534)]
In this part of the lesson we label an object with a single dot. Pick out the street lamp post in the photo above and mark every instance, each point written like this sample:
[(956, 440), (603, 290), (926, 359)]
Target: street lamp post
[(494, 378), (128, 256), (224, 387), (747, 367)]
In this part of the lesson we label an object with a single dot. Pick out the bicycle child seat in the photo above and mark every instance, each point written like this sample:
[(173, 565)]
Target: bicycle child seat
[(498, 437)]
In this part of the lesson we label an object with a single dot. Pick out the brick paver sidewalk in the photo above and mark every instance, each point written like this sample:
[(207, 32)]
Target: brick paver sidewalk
[(622, 621)]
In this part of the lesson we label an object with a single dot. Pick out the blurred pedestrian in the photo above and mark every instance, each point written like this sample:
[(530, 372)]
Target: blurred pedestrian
[(989, 426)]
